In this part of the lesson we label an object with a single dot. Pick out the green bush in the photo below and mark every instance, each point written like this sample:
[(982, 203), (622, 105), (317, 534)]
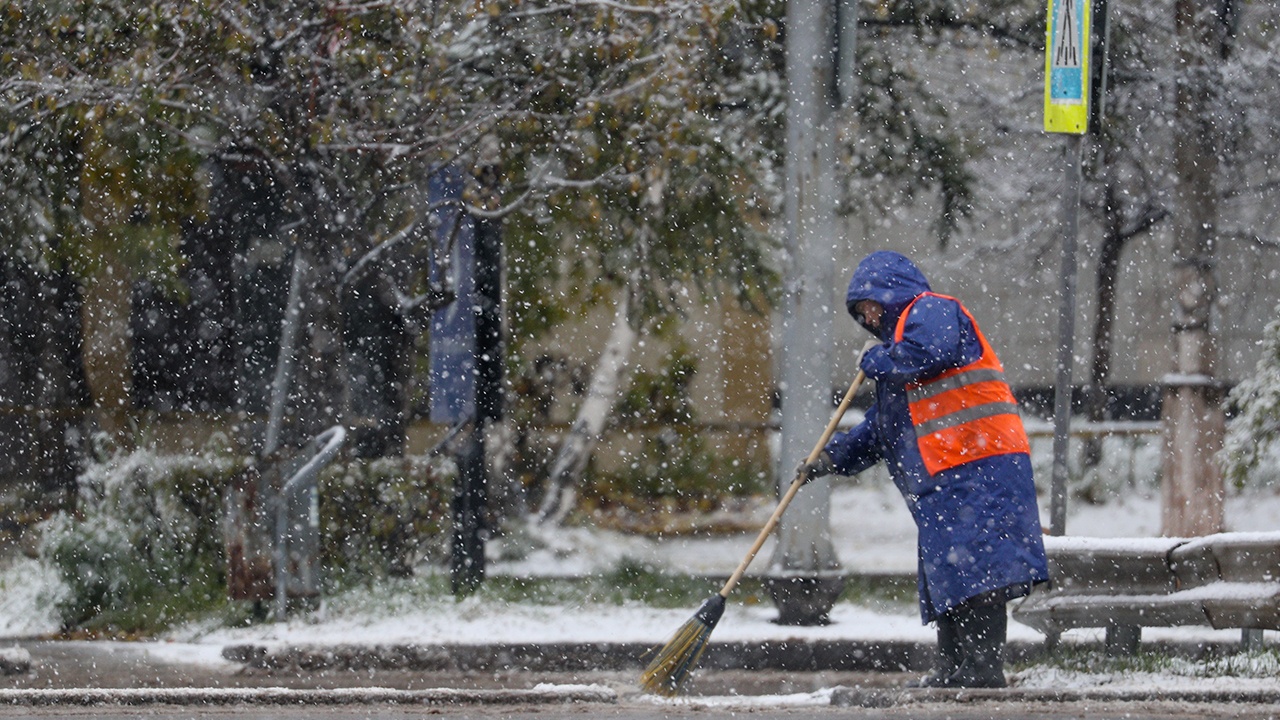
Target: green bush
[(144, 547), (1251, 453), (384, 516), (144, 550), (655, 461), (673, 463)]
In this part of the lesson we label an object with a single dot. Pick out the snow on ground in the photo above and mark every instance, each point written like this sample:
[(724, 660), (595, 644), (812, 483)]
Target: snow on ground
[(871, 531), (870, 528), (475, 621), (368, 618), (1243, 672), (1043, 677), (819, 698), (204, 654), (29, 590)]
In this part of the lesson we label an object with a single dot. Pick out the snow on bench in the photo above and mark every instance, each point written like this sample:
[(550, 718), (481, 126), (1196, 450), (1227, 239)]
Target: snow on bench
[(1228, 580)]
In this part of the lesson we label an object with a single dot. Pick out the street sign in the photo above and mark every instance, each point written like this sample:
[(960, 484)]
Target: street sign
[(452, 392), (1066, 67)]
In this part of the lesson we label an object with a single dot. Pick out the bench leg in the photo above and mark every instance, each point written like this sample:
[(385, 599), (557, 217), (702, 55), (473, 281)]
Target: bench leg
[(1123, 639), (1052, 640), (1251, 639)]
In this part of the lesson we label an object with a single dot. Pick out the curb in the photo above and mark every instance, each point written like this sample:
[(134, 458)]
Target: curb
[(789, 655), (542, 695), (792, 655), (882, 698)]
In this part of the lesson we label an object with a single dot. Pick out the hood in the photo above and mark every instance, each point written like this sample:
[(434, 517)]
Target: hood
[(890, 279)]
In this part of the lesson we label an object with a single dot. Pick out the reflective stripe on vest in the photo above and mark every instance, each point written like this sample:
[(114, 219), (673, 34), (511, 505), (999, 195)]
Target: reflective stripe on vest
[(966, 413)]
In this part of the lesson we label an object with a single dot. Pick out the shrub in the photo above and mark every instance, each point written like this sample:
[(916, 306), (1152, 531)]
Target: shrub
[(144, 548), (1251, 453), (673, 462), (384, 516)]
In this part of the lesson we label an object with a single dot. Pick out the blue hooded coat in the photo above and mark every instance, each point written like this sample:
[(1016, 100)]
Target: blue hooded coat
[(978, 524)]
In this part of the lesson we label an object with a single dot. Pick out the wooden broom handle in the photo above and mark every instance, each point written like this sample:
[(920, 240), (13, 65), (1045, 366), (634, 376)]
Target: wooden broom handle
[(795, 487)]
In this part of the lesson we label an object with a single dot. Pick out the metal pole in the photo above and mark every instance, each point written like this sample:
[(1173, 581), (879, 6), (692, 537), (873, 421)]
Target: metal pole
[(466, 560), (846, 53), (805, 574), (323, 448), (470, 505), (1066, 336)]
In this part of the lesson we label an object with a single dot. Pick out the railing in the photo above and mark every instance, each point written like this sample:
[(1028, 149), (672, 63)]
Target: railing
[(318, 453), (1042, 428)]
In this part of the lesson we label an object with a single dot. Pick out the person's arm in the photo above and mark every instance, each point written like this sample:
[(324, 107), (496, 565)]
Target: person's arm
[(935, 337), (856, 450)]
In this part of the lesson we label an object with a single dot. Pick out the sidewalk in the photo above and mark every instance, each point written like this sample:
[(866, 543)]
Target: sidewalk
[(70, 673), (401, 639)]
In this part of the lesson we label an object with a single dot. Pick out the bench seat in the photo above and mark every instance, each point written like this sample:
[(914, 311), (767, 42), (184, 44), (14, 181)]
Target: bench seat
[(1228, 580)]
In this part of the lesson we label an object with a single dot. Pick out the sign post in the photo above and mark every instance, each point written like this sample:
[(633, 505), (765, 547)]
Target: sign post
[(1066, 110), (466, 365)]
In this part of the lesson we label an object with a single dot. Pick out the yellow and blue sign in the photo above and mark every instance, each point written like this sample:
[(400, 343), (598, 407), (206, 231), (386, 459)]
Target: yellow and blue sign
[(1066, 67)]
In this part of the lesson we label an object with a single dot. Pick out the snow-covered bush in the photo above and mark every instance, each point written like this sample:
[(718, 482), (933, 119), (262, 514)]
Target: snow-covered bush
[(144, 545), (384, 516), (30, 591), (1130, 467), (1251, 453)]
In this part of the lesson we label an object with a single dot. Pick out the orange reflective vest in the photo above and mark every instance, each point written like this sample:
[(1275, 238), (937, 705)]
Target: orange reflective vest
[(966, 413)]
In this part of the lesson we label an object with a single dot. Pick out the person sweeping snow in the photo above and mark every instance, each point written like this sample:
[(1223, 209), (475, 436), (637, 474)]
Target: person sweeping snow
[(946, 424)]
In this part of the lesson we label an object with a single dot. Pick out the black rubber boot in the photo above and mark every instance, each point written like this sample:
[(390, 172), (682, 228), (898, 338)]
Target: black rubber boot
[(981, 630), (949, 655)]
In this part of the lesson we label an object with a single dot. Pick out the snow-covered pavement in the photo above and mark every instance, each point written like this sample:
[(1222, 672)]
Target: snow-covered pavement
[(870, 529)]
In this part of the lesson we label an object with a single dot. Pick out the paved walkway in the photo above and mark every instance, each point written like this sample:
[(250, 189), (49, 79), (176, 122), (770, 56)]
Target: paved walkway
[(117, 673)]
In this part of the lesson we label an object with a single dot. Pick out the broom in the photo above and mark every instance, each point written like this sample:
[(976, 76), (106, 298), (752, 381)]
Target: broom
[(670, 667)]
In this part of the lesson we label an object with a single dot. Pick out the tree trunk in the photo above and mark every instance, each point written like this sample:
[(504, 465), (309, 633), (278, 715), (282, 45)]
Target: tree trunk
[(1193, 416), (1095, 392), (107, 356), (321, 384), (575, 451)]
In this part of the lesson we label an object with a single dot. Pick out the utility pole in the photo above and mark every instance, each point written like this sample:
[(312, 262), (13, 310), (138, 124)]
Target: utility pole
[(804, 575)]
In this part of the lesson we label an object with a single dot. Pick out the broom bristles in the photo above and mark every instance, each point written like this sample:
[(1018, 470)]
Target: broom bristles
[(669, 669)]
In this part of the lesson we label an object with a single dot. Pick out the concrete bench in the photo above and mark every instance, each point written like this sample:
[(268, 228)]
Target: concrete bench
[(1228, 580)]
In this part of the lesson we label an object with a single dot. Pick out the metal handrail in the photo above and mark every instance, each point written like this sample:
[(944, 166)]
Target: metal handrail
[(326, 444)]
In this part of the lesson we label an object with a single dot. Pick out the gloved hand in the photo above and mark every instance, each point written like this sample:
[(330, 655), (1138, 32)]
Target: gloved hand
[(875, 361), (866, 347), (820, 467)]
